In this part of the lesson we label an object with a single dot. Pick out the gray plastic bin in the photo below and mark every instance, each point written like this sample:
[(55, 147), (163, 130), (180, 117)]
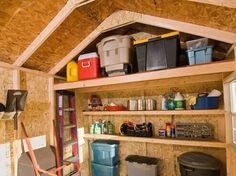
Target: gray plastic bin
[(142, 165)]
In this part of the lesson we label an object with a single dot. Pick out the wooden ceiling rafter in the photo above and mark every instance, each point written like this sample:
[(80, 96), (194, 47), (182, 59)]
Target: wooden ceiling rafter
[(224, 3), (116, 20), (70, 6)]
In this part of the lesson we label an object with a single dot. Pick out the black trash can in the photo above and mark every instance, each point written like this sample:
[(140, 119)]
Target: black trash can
[(198, 164)]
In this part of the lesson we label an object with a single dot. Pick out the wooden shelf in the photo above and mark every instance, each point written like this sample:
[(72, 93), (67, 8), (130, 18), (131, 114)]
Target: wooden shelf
[(204, 69), (176, 112), (168, 141)]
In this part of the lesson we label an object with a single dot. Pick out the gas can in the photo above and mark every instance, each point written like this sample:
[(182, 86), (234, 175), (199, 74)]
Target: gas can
[(72, 71)]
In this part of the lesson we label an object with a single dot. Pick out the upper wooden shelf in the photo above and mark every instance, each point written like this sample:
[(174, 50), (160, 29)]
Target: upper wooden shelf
[(168, 141), (176, 112), (194, 70)]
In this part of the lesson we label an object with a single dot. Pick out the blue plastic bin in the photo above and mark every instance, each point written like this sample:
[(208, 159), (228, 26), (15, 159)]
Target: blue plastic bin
[(200, 55), (102, 170), (105, 152), (206, 103)]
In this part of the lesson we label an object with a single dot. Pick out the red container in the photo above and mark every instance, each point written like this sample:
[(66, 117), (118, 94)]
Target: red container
[(88, 66)]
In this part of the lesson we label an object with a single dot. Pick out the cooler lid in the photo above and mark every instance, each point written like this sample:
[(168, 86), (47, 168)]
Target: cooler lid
[(88, 55), (142, 159), (199, 160)]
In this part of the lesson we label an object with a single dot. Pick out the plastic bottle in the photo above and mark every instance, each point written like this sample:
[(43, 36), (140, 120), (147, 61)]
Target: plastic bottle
[(179, 101), (72, 71), (163, 103), (92, 129), (110, 128)]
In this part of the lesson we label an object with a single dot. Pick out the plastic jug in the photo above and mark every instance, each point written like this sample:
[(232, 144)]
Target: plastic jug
[(72, 71)]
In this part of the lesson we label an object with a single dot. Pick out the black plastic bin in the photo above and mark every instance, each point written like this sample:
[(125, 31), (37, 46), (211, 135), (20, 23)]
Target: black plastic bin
[(158, 53), (198, 164)]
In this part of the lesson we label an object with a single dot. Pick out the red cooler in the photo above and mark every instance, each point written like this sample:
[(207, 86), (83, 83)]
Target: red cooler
[(89, 66)]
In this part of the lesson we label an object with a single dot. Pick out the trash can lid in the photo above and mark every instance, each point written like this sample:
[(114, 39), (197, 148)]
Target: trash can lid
[(142, 159), (199, 160), (109, 142)]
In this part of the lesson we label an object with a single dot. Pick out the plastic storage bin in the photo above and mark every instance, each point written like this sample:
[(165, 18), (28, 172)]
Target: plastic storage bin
[(88, 66), (115, 52), (200, 55), (158, 53), (198, 164), (199, 131), (204, 102), (105, 152), (141, 165), (102, 170)]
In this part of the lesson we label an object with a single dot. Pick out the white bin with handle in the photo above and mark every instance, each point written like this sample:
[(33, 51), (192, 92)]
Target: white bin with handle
[(115, 51)]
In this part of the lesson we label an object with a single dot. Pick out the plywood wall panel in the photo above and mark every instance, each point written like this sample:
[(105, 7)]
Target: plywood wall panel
[(73, 30), (21, 22), (36, 114)]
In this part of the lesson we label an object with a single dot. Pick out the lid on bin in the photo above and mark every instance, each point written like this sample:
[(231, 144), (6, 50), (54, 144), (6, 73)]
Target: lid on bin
[(108, 142), (88, 55), (199, 160), (170, 34), (142, 159)]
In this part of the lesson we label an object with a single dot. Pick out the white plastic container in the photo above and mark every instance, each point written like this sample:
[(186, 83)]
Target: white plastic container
[(115, 50)]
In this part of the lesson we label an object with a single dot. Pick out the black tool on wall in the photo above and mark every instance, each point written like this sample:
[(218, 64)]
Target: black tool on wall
[(15, 103)]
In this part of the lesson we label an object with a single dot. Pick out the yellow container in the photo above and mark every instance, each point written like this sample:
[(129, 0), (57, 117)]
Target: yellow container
[(72, 71)]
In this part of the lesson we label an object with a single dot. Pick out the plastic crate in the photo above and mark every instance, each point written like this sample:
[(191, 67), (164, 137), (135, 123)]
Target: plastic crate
[(142, 165), (158, 53), (202, 131), (103, 170), (105, 152), (200, 55), (206, 103)]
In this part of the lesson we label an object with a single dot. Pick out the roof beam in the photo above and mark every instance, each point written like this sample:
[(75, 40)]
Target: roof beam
[(224, 3), (123, 18), (49, 29)]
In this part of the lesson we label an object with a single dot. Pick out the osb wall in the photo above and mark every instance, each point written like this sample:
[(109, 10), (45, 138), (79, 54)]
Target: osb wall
[(21, 22), (167, 153), (86, 18), (36, 114)]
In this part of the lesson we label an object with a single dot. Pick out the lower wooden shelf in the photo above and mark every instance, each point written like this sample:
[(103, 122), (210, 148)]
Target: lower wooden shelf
[(169, 112), (168, 141)]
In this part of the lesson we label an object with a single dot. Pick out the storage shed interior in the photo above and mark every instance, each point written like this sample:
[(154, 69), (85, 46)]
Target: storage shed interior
[(38, 38)]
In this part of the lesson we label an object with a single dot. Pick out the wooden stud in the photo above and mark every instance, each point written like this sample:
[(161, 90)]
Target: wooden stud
[(51, 98), (224, 3), (16, 85)]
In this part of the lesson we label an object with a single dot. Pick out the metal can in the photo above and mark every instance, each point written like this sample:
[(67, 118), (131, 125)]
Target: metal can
[(133, 105), (150, 104), (141, 104)]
